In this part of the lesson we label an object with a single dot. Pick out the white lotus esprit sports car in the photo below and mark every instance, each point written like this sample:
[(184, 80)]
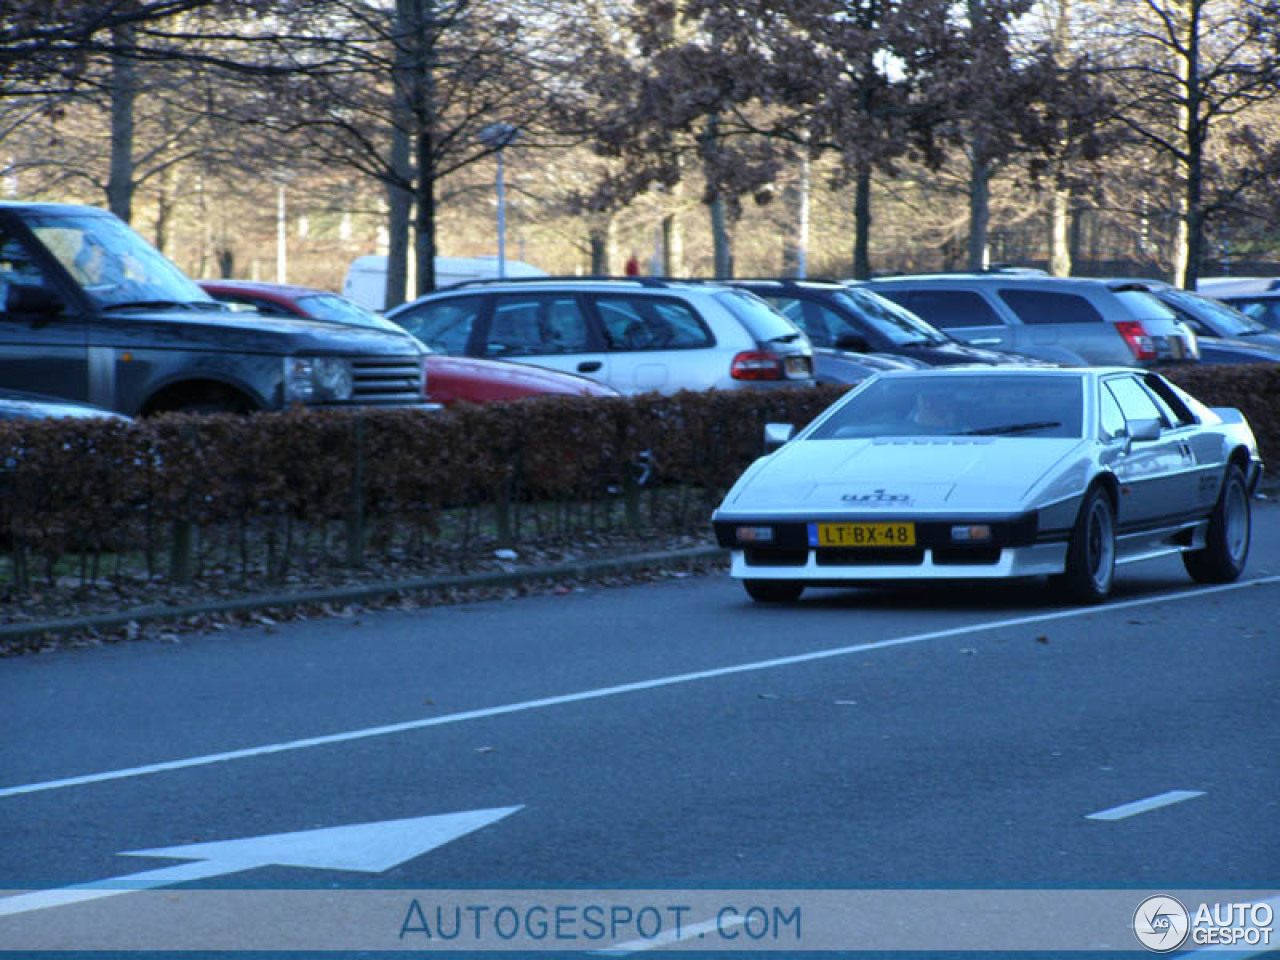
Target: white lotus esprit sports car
[(995, 473)]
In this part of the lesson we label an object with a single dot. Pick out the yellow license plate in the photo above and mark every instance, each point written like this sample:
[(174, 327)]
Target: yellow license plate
[(862, 534)]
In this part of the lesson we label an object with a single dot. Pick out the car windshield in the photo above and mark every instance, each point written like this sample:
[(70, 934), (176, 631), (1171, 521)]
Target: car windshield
[(336, 309), (1224, 321), (115, 266), (897, 323), (978, 405)]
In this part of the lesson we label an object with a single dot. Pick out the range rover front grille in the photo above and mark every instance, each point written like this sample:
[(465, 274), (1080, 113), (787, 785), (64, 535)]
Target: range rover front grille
[(386, 379)]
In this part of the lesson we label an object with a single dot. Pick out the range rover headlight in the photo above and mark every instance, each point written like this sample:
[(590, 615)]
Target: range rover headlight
[(317, 380), (333, 379)]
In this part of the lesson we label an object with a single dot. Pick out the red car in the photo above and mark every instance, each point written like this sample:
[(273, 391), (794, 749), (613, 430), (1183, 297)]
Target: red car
[(449, 379)]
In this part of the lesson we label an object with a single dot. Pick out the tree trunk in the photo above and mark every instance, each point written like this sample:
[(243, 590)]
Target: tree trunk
[(424, 114), (1191, 232), (673, 235), (979, 204), (720, 242), (1059, 223), (862, 220), (1060, 199), (795, 255), (601, 241), (124, 90), (399, 188)]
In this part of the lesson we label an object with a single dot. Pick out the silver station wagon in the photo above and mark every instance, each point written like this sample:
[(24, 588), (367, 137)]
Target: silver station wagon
[(635, 335)]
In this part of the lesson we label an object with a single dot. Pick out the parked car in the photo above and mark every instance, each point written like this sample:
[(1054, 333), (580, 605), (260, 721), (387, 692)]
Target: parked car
[(1066, 320), (1225, 334), (845, 324), (449, 379), (995, 474), (635, 334), (17, 405), (1262, 307), (292, 300), (93, 313)]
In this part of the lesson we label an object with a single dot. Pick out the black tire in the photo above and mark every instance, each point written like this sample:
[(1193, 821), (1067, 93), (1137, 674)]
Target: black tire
[(773, 591), (1230, 533), (1091, 554)]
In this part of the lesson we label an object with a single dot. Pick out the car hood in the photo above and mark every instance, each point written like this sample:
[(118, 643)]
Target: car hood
[(888, 475), (1251, 350), (245, 332), (952, 353)]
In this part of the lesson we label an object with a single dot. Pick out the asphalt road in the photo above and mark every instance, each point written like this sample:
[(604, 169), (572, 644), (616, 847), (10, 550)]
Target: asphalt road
[(675, 735)]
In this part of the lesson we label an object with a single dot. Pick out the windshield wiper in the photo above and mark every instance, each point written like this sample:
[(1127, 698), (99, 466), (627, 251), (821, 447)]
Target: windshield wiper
[(150, 305), (1011, 428)]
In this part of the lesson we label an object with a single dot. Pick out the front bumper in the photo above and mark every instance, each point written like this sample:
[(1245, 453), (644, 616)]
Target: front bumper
[(1004, 563), (1017, 548)]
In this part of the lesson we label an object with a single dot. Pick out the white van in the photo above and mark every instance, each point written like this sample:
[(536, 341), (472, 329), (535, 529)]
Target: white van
[(366, 281)]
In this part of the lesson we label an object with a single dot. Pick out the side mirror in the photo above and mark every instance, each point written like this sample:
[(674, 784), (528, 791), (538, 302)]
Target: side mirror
[(854, 342), (776, 434), (1144, 430), (28, 298)]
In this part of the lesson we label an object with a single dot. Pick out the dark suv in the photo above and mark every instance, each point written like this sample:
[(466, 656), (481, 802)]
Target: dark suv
[(843, 322), (93, 313)]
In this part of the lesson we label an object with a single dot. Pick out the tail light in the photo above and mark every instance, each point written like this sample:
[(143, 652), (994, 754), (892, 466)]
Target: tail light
[(756, 365), (1139, 341)]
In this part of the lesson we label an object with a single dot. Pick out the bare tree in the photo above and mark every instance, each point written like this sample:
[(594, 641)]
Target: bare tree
[(1195, 72)]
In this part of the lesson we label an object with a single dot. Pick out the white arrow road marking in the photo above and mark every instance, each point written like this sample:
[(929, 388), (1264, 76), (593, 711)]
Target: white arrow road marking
[(364, 847), (1142, 806)]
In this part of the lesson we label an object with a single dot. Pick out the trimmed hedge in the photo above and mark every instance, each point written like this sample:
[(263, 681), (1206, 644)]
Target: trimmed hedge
[(269, 492), (265, 488)]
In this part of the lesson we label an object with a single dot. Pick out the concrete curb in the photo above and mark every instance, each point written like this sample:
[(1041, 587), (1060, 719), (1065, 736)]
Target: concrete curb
[(578, 570)]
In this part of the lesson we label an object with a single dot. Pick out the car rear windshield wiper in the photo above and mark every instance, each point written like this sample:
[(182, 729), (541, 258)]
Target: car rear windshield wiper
[(1011, 428)]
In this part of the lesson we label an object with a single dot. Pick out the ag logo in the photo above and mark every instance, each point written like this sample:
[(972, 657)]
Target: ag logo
[(1160, 923)]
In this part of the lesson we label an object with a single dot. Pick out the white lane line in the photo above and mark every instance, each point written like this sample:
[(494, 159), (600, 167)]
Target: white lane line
[(604, 692), (1142, 806), (692, 932)]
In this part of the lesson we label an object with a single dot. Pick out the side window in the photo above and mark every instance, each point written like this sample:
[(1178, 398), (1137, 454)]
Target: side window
[(1035, 307), (651, 323), (531, 325), (1169, 401), (946, 308), (1110, 418), (443, 325), (1135, 402), (16, 266)]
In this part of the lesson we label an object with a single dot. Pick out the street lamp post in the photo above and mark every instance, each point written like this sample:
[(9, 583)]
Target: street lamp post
[(500, 136)]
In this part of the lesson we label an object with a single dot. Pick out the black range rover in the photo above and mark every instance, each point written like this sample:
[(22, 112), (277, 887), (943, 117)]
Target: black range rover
[(90, 312)]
